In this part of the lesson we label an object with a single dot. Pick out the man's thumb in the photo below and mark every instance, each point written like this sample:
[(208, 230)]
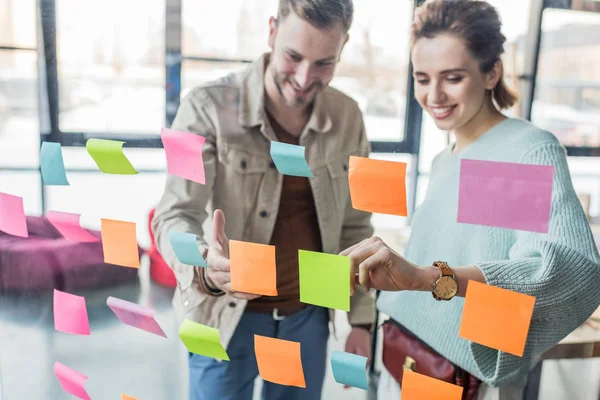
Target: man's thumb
[(218, 229)]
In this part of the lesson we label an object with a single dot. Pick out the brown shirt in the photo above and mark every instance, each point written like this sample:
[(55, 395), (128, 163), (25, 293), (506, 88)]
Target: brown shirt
[(296, 228)]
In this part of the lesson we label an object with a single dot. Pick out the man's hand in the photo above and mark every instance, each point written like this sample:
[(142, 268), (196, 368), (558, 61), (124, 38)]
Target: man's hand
[(218, 272), (359, 343)]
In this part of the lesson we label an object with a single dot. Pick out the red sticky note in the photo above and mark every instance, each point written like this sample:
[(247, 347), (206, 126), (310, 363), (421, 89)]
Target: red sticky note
[(378, 186), (253, 268), (507, 329), (420, 387), (279, 361), (12, 215), (70, 313), (119, 243)]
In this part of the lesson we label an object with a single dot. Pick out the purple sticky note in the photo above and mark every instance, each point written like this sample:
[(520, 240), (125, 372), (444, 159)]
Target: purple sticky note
[(135, 315), (70, 313), (184, 154), (505, 195), (71, 381), (12, 215), (68, 226)]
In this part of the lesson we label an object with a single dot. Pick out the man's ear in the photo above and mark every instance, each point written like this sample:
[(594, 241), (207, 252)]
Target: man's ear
[(272, 31), (494, 75)]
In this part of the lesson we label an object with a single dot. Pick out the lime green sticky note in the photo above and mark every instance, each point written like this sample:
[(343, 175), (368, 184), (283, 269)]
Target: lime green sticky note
[(202, 339), (108, 155), (324, 280)]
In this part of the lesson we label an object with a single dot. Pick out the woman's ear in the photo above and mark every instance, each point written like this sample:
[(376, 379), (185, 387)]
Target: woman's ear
[(494, 75)]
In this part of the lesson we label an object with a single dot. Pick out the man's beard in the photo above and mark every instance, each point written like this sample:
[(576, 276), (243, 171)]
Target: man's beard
[(298, 101)]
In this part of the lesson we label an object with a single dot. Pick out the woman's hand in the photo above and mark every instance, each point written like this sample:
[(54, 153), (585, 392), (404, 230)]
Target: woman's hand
[(380, 267)]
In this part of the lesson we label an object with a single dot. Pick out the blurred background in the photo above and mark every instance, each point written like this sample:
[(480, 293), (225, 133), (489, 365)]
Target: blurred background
[(71, 70)]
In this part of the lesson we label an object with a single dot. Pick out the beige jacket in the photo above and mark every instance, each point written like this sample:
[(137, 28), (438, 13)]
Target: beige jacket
[(242, 181)]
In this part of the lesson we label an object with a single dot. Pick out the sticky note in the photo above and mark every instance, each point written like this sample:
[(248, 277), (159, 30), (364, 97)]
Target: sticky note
[(290, 160), (279, 361), (71, 381), (70, 313), (505, 195), (324, 279), (253, 268), (184, 154), (418, 387), (507, 330), (378, 186), (125, 397), (349, 369), (108, 155), (201, 339), (68, 226), (135, 315), (52, 164), (186, 248), (119, 243), (12, 215)]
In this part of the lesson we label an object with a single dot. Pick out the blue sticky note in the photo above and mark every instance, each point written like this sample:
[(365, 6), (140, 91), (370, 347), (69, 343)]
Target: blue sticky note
[(349, 369), (289, 159), (52, 164), (186, 249)]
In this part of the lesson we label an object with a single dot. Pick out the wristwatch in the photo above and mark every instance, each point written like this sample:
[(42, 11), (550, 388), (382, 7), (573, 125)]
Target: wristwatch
[(446, 286)]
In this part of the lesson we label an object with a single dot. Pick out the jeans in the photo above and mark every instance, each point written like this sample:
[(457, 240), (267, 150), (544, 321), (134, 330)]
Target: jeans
[(234, 380)]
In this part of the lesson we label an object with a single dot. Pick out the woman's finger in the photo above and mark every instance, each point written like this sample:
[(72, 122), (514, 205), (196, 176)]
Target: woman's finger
[(381, 258), (360, 254), (351, 248)]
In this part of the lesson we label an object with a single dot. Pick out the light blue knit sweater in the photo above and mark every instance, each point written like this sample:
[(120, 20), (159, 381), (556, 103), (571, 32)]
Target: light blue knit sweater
[(560, 268)]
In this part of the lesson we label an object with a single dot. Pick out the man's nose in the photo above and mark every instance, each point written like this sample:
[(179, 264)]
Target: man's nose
[(302, 75)]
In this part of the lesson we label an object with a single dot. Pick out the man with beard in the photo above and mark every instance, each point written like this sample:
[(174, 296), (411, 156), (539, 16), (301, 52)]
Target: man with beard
[(283, 96)]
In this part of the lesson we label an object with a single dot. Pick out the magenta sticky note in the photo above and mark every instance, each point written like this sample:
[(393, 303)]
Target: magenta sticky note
[(70, 313), (12, 215), (71, 381), (68, 226), (184, 154), (135, 315), (505, 195)]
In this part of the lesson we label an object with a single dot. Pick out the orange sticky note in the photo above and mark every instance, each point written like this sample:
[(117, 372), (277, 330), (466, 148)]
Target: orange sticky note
[(125, 397), (418, 387), (253, 268), (119, 243), (496, 317), (378, 186), (279, 361)]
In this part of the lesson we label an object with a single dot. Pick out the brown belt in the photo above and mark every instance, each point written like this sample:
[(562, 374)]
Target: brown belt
[(277, 313)]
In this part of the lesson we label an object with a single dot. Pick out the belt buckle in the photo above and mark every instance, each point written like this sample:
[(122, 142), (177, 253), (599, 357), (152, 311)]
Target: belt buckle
[(276, 315)]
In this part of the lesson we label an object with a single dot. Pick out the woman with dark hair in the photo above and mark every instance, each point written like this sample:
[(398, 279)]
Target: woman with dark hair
[(456, 50)]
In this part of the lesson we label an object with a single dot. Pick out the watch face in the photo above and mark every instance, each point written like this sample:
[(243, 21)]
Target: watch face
[(446, 287)]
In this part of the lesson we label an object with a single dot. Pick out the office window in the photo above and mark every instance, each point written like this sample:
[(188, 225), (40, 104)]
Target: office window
[(18, 23), (111, 68)]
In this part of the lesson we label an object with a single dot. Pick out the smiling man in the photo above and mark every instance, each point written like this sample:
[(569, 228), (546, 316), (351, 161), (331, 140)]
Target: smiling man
[(283, 96)]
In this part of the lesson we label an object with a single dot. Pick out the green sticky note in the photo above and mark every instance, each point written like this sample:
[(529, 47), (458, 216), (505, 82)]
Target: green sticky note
[(324, 280), (201, 339), (108, 155)]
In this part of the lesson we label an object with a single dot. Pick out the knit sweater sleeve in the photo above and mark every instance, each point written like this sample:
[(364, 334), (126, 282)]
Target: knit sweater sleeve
[(560, 268)]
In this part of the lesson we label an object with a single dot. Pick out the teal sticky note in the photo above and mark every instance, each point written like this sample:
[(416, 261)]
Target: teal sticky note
[(52, 164), (290, 160), (349, 369), (186, 249)]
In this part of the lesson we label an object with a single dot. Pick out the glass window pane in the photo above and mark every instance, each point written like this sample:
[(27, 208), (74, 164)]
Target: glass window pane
[(18, 23), (19, 121), (25, 184), (567, 94), (111, 65)]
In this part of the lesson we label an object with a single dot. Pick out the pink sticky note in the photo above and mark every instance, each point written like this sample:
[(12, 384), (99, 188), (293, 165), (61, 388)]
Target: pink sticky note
[(68, 226), (12, 215), (71, 381), (184, 154), (70, 313), (135, 315), (505, 195)]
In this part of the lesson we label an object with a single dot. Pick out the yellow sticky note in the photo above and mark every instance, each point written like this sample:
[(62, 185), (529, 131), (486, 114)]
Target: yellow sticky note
[(201, 339), (109, 157), (496, 317), (420, 387), (119, 243), (279, 361), (324, 279), (378, 186), (253, 268)]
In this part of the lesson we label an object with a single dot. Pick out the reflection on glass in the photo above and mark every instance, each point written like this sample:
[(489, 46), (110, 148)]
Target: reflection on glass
[(111, 65), (17, 28), (19, 127), (567, 95)]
